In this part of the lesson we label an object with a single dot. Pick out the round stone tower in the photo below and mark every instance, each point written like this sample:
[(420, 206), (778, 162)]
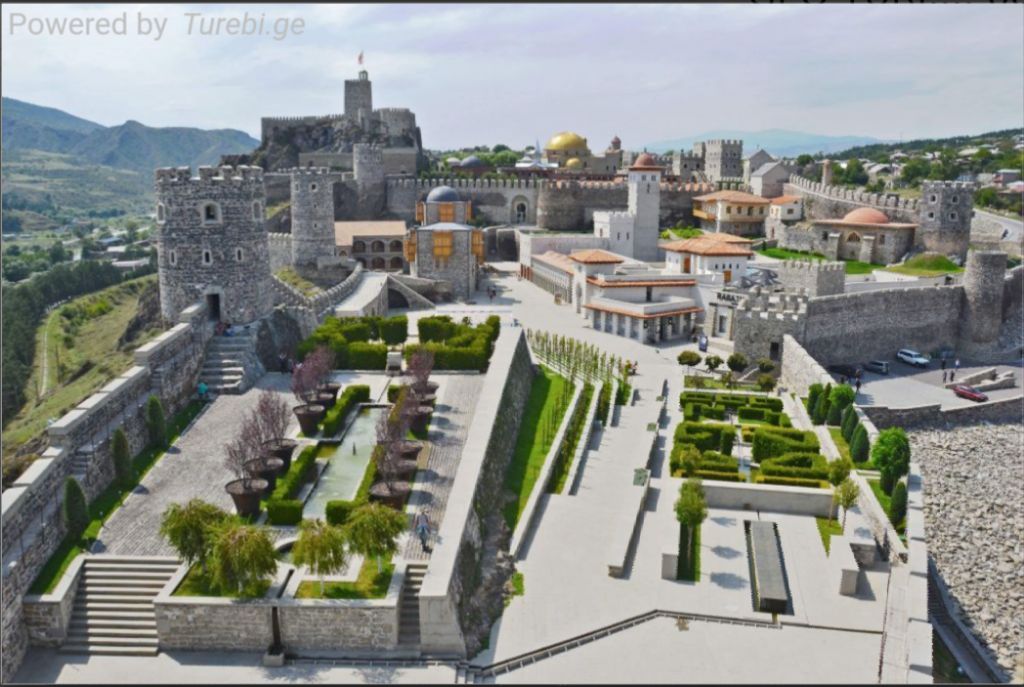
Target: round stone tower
[(983, 298), (211, 244), (826, 172), (312, 215)]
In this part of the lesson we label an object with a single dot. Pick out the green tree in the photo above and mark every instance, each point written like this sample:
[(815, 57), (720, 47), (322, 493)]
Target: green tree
[(820, 411), (891, 455), (729, 379), (75, 509), (190, 529), (122, 458), (243, 557), (813, 392), (737, 362), (848, 422), (765, 382), (846, 495), (689, 358), (839, 398), (765, 365), (898, 504), (691, 509), (914, 170), (804, 160), (689, 460), (373, 530), (838, 471), (859, 445), (156, 423), (321, 548), (713, 362)]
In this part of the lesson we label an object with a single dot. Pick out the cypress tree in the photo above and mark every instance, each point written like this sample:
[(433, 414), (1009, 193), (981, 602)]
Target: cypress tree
[(122, 457), (74, 509), (859, 444), (898, 504), (156, 423), (849, 422)]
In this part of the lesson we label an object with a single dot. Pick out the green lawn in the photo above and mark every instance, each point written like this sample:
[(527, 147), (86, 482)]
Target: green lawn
[(840, 442), (715, 383), (544, 411), (195, 583), (105, 504), (927, 266), (518, 587), (370, 584), (885, 500), (691, 572), (289, 276), (826, 529), (563, 461), (852, 266)]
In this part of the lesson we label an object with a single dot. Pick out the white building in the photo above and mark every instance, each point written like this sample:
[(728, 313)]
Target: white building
[(722, 254), (767, 180), (787, 208), (634, 232)]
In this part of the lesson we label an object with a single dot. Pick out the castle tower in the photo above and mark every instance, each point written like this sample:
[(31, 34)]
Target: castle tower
[(945, 211), (723, 160), (359, 99), (983, 298), (312, 215), (211, 244), (644, 182), (368, 167), (826, 172)]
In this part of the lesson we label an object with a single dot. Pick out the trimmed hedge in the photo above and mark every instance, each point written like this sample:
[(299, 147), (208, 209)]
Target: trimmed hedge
[(771, 442), (284, 511), (721, 476), (357, 393), (393, 330), (337, 512), (790, 481), (860, 446), (797, 465), (705, 436), (753, 413), (367, 356), (288, 485)]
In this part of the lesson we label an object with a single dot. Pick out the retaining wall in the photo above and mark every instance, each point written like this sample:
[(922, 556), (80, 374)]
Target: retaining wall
[(1008, 409)]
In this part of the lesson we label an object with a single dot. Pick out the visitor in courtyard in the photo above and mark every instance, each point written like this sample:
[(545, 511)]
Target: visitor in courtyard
[(282, 361), (857, 385), (203, 391), (956, 364), (944, 375), (952, 374), (422, 526)]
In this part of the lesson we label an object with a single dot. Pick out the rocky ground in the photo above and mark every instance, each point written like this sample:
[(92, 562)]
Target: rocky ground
[(974, 513)]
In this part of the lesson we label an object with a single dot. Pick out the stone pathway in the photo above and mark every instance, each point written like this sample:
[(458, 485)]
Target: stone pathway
[(192, 468), (448, 428)]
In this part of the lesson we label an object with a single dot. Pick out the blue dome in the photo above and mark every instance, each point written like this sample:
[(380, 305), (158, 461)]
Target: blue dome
[(472, 161), (443, 194)]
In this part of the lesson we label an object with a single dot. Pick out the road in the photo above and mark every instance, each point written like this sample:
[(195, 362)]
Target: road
[(1014, 227)]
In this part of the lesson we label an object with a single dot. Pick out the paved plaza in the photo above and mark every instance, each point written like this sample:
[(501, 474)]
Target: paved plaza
[(907, 386)]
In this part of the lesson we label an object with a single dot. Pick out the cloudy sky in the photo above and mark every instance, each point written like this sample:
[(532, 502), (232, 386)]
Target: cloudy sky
[(512, 74)]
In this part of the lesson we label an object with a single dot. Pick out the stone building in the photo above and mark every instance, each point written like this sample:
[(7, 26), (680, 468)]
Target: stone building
[(723, 159), (444, 247), (569, 152), (635, 232), (211, 243), (783, 212), (769, 180), (864, 234), (374, 245), (757, 159), (812, 277), (731, 212), (312, 214)]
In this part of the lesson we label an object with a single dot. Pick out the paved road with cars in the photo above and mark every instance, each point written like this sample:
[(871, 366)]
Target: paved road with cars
[(906, 386)]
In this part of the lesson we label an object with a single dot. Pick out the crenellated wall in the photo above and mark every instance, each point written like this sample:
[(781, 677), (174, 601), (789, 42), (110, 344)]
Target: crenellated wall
[(167, 367), (823, 201)]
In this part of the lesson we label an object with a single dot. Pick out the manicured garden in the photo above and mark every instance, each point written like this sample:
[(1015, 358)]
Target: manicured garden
[(357, 343), (827, 529), (563, 461), (749, 409), (371, 584)]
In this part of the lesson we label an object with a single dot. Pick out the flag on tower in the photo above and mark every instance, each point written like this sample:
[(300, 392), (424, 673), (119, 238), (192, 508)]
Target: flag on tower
[(360, 57)]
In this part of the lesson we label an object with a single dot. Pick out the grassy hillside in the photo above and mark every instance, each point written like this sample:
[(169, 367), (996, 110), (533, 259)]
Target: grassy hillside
[(81, 346), (43, 128)]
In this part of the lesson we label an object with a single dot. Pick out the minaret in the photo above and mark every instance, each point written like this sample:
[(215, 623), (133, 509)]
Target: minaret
[(644, 182)]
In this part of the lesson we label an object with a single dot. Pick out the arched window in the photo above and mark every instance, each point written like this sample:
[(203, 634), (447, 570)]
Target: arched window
[(238, 255), (211, 213), (396, 263), (955, 200), (257, 211), (953, 215), (395, 246), (359, 247), (377, 263), (207, 257), (854, 237), (161, 213), (172, 257), (377, 247)]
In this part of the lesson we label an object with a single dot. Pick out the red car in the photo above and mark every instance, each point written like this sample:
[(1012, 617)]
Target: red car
[(964, 391)]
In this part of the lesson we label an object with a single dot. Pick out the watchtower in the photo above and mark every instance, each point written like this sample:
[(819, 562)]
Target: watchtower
[(211, 243), (945, 211), (312, 215), (359, 99), (723, 159), (983, 298)]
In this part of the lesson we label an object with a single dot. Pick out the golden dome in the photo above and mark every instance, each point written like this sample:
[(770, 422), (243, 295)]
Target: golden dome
[(573, 163), (566, 140)]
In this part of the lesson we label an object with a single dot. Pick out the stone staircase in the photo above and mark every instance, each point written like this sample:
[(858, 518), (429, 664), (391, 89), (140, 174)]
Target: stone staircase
[(416, 300), (409, 606), (113, 611), (231, 365)]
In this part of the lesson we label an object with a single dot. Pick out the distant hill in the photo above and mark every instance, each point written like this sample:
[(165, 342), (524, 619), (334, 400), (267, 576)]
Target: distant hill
[(1004, 136), (778, 142), (131, 145)]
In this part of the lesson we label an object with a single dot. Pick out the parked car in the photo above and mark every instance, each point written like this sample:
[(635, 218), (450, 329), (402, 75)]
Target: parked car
[(964, 391), (702, 343), (849, 371), (912, 357), (879, 366)]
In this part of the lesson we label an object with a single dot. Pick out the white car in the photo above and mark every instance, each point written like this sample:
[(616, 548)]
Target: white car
[(912, 357)]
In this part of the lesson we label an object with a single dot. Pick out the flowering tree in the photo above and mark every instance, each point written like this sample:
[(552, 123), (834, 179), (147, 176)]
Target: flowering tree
[(270, 416), (421, 363), (313, 371)]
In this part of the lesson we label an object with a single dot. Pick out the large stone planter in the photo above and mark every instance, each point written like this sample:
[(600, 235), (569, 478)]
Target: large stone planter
[(420, 419), (405, 469), (281, 448), (393, 498), (309, 416), (332, 388), (267, 469), (246, 494), (326, 398), (427, 388)]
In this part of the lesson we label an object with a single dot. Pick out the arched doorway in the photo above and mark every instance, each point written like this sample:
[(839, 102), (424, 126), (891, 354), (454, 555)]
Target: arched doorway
[(520, 210), (396, 263), (377, 264), (851, 246)]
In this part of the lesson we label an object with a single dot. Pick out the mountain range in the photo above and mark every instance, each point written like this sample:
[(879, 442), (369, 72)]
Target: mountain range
[(131, 146), (778, 142)]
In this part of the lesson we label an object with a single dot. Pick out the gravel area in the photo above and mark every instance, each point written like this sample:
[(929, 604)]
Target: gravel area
[(974, 513)]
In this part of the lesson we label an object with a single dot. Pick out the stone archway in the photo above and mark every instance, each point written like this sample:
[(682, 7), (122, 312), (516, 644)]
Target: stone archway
[(519, 210), (377, 264), (396, 263)]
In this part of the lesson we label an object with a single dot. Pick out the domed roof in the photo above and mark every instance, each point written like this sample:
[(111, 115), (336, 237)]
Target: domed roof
[(566, 140), (645, 161), (865, 216), (472, 161), (453, 160), (443, 194), (573, 163), (616, 141)]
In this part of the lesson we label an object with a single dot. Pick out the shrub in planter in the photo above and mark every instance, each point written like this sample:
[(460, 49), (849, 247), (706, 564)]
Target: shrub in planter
[(284, 512), (338, 512), (352, 396), (898, 504), (859, 445)]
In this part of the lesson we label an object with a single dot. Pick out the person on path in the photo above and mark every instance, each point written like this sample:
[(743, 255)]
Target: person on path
[(943, 363), (952, 374), (956, 364), (203, 390), (422, 526), (944, 375), (857, 385)]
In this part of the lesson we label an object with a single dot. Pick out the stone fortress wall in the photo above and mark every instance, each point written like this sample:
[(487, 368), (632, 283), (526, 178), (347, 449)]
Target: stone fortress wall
[(814, 278), (823, 201), (167, 367)]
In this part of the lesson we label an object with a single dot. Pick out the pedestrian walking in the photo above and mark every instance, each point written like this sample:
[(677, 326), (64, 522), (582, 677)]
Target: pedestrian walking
[(944, 375), (857, 385), (943, 363), (422, 526), (956, 364), (952, 374)]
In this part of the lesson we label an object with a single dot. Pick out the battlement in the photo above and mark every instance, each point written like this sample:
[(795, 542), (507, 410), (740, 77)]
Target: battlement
[(951, 185), (166, 176), (308, 171), (395, 182), (393, 110), (724, 142), (814, 266), (298, 119), (889, 201)]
